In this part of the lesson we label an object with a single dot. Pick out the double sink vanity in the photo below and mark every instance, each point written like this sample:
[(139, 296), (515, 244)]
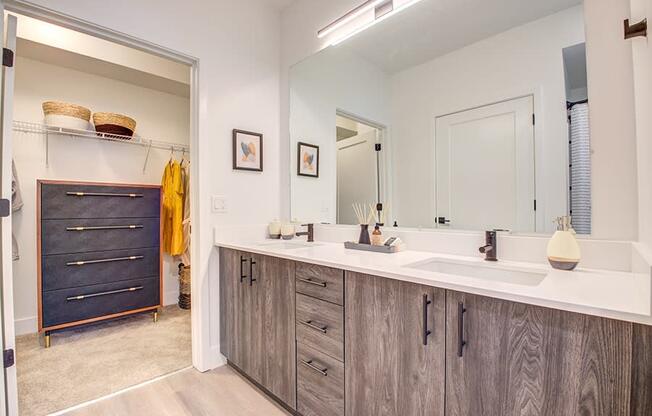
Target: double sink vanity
[(330, 331)]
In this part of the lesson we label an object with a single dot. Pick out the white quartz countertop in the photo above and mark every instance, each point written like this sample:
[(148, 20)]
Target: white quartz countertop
[(618, 295)]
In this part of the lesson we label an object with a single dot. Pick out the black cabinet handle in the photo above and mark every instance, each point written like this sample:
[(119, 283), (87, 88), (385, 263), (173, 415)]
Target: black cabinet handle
[(312, 282), (460, 329), (243, 276), (251, 271), (426, 331), (310, 365), (312, 325)]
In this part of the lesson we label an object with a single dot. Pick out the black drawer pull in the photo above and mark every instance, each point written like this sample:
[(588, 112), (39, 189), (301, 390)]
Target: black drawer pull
[(84, 262), (312, 282), (310, 324), (105, 227), (251, 272), (426, 331), (104, 194), (460, 329), (310, 365), (110, 292)]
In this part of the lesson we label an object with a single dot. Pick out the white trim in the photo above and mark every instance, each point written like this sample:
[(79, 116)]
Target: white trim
[(200, 316), (108, 396)]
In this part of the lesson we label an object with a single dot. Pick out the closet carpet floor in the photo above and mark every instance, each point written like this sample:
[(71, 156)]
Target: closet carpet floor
[(90, 362)]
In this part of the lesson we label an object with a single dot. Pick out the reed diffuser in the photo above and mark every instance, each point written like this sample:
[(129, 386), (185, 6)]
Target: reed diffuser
[(365, 214)]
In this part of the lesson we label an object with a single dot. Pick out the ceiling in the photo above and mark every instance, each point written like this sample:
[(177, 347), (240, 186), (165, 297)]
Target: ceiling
[(279, 4), (432, 28)]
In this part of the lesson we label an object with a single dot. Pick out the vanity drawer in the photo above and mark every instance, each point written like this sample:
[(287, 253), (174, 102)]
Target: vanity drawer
[(60, 201), (84, 235), (76, 304), (320, 282), (320, 383), (83, 269), (320, 325)]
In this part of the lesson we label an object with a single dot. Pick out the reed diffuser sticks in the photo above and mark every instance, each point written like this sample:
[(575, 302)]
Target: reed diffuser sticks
[(364, 212)]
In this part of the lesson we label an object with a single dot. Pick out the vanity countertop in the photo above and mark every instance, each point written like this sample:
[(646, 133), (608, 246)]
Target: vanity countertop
[(618, 295)]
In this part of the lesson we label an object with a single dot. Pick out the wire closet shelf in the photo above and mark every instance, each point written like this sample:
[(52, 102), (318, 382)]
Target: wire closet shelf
[(38, 128)]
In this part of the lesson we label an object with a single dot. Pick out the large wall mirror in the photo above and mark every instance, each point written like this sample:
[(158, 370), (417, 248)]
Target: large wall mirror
[(467, 114)]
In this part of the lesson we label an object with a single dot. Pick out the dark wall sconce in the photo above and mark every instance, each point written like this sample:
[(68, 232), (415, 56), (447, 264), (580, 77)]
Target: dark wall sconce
[(635, 30)]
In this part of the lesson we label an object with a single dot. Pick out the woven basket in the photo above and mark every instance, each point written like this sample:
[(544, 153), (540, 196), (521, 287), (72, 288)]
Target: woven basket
[(114, 124), (66, 109)]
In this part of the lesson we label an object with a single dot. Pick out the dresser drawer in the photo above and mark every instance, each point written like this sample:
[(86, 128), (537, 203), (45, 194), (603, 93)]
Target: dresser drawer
[(84, 235), (82, 269), (320, 383), (76, 304), (320, 282), (320, 325), (61, 201)]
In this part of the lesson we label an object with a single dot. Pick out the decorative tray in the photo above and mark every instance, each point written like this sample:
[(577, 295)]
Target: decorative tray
[(376, 249)]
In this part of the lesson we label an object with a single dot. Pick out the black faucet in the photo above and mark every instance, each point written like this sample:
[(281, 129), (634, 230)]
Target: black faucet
[(310, 233), (490, 248)]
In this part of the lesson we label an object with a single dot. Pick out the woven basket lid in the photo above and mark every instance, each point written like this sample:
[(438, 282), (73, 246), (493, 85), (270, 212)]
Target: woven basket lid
[(66, 109)]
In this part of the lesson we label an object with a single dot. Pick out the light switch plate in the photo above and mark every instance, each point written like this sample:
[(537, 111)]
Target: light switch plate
[(219, 204)]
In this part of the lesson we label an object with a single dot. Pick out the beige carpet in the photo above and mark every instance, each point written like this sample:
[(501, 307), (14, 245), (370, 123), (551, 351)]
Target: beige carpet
[(91, 362)]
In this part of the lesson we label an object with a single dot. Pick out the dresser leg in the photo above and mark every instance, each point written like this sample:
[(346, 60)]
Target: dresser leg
[(46, 339), (155, 316)]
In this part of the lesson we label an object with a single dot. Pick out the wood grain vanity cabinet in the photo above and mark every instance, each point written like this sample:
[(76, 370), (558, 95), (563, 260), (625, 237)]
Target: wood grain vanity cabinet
[(257, 302), (506, 358), (394, 347)]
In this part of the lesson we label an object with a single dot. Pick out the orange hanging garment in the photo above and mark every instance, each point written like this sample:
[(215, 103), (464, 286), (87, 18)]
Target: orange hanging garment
[(172, 185)]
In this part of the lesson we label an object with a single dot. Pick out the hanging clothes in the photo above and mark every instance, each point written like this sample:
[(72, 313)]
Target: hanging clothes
[(172, 185), (185, 174), (16, 205)]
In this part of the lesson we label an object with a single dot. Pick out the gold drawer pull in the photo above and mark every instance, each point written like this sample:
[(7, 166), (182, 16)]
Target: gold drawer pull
[(104, 194), (84, 262), (110, 292), (105, 227), (310, 365), (310, 324), (312, 282)]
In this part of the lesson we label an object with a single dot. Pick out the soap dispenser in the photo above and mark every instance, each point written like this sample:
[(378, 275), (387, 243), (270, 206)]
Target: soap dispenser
[(563, 249)]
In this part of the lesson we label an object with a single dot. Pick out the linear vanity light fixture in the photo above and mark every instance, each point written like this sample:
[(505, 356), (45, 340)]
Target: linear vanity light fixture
[(350, 15), (383, 10)]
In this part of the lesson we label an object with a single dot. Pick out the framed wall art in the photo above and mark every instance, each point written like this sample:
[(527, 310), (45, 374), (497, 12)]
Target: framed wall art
[(247, 150), (307, 160)]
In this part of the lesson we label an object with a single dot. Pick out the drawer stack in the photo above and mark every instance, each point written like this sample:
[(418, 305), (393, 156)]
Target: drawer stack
[(99, 252), (320, 340)]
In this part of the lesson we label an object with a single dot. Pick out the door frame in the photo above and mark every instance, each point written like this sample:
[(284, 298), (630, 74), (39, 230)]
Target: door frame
[(383, 177), (537, 101), (203, 356)]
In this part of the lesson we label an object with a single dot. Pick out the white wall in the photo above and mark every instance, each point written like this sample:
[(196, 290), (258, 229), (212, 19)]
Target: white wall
[(610, 78), (159, 115), (332, 80), (526, 60), (237, 45), (642, 54)]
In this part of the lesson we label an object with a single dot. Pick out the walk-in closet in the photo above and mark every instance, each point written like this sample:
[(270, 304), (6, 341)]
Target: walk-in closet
[(100, 215)]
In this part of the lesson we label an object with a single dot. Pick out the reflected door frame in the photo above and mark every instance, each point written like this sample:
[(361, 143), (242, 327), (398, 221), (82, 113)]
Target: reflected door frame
[(384, 191)]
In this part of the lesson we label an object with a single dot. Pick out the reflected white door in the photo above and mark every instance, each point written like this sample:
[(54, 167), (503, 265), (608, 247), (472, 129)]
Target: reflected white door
[(485, 167), (10, 390), (357, 177)]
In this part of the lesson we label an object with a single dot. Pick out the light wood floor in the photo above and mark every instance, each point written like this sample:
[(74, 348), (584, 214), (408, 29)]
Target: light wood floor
[(221, 392)]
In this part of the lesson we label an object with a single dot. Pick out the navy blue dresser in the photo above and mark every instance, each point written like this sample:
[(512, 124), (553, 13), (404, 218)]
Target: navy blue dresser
[(99, 252)]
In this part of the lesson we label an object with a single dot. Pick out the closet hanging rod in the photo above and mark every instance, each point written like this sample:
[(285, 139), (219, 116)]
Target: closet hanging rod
[(30, 127)]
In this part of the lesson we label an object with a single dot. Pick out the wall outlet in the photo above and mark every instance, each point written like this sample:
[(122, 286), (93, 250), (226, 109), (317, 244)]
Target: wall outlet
[(219, 204)]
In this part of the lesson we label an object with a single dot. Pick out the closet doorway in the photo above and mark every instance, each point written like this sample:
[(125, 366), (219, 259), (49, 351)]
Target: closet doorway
[(100, 145)]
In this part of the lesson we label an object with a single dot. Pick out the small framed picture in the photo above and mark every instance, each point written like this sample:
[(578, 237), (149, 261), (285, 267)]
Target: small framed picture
[(247, 150), (308, 160)]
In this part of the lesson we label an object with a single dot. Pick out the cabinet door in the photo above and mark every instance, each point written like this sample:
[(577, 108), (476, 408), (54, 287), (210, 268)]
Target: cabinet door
[(520, 360), (275, 309), (233, 306), (389, 371)]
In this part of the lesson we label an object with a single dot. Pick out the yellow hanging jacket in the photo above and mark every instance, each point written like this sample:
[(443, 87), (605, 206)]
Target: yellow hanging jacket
[(172, 185)]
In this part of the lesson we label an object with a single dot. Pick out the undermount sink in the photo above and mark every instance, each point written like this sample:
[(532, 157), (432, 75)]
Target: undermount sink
[(479, 270), (287, 245)]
